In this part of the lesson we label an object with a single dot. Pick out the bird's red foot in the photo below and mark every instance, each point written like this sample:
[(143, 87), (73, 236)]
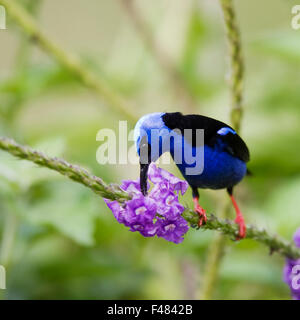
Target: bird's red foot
[(239, 220), (201, 212)]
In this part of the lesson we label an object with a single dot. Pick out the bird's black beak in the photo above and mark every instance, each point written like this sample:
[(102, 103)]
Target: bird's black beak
[(144, 177), (145, 160)]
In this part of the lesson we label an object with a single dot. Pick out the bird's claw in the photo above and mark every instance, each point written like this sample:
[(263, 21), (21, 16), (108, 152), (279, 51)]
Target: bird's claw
[(202, 215), (242, 228)]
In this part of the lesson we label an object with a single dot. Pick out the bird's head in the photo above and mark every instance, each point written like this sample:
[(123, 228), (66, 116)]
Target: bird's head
[(148, 134)]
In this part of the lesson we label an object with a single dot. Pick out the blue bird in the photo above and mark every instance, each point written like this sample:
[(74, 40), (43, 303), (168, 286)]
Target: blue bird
[(215, 159)]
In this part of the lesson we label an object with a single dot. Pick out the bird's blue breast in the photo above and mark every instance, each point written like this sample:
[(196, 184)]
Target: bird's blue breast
[(220, 170)]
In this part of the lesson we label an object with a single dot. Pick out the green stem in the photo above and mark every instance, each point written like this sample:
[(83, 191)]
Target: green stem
[(113, 192), (214, 260), (212, 266), (73, 172), (236, 60), (218, 244), (67, 59)]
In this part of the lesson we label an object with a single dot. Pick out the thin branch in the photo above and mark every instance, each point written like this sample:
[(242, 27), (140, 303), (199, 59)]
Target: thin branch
[(80, 175), (179, 84), (218, 244), (215, 255), (73, 172), (69, 60), (237, 64)]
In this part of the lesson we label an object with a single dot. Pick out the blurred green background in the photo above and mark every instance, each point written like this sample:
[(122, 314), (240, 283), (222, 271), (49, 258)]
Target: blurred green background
[(58, 240)]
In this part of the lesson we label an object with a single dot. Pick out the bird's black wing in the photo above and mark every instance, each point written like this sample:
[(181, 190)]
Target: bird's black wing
[(234, 143)]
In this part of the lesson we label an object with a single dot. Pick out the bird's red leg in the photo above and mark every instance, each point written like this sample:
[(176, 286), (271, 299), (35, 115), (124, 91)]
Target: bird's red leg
[(200, 211), (239, 220)]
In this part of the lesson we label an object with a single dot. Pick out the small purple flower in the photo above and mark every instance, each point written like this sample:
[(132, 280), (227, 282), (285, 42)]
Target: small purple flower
[(159, 175), (166, 201), (291, 271), (172, 230), (159, 213), (140, 210)]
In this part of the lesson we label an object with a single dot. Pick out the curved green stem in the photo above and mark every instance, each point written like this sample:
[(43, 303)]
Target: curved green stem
[(113, 192), (73, 172)]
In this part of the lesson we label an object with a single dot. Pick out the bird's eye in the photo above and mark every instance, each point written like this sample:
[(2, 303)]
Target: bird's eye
[(144, 143)]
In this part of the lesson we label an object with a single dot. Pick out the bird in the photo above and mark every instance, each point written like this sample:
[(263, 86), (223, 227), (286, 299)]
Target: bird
[(224, 154)]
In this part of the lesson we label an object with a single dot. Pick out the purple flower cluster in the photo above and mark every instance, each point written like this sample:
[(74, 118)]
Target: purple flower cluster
[(159, 213), (291, 271)]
